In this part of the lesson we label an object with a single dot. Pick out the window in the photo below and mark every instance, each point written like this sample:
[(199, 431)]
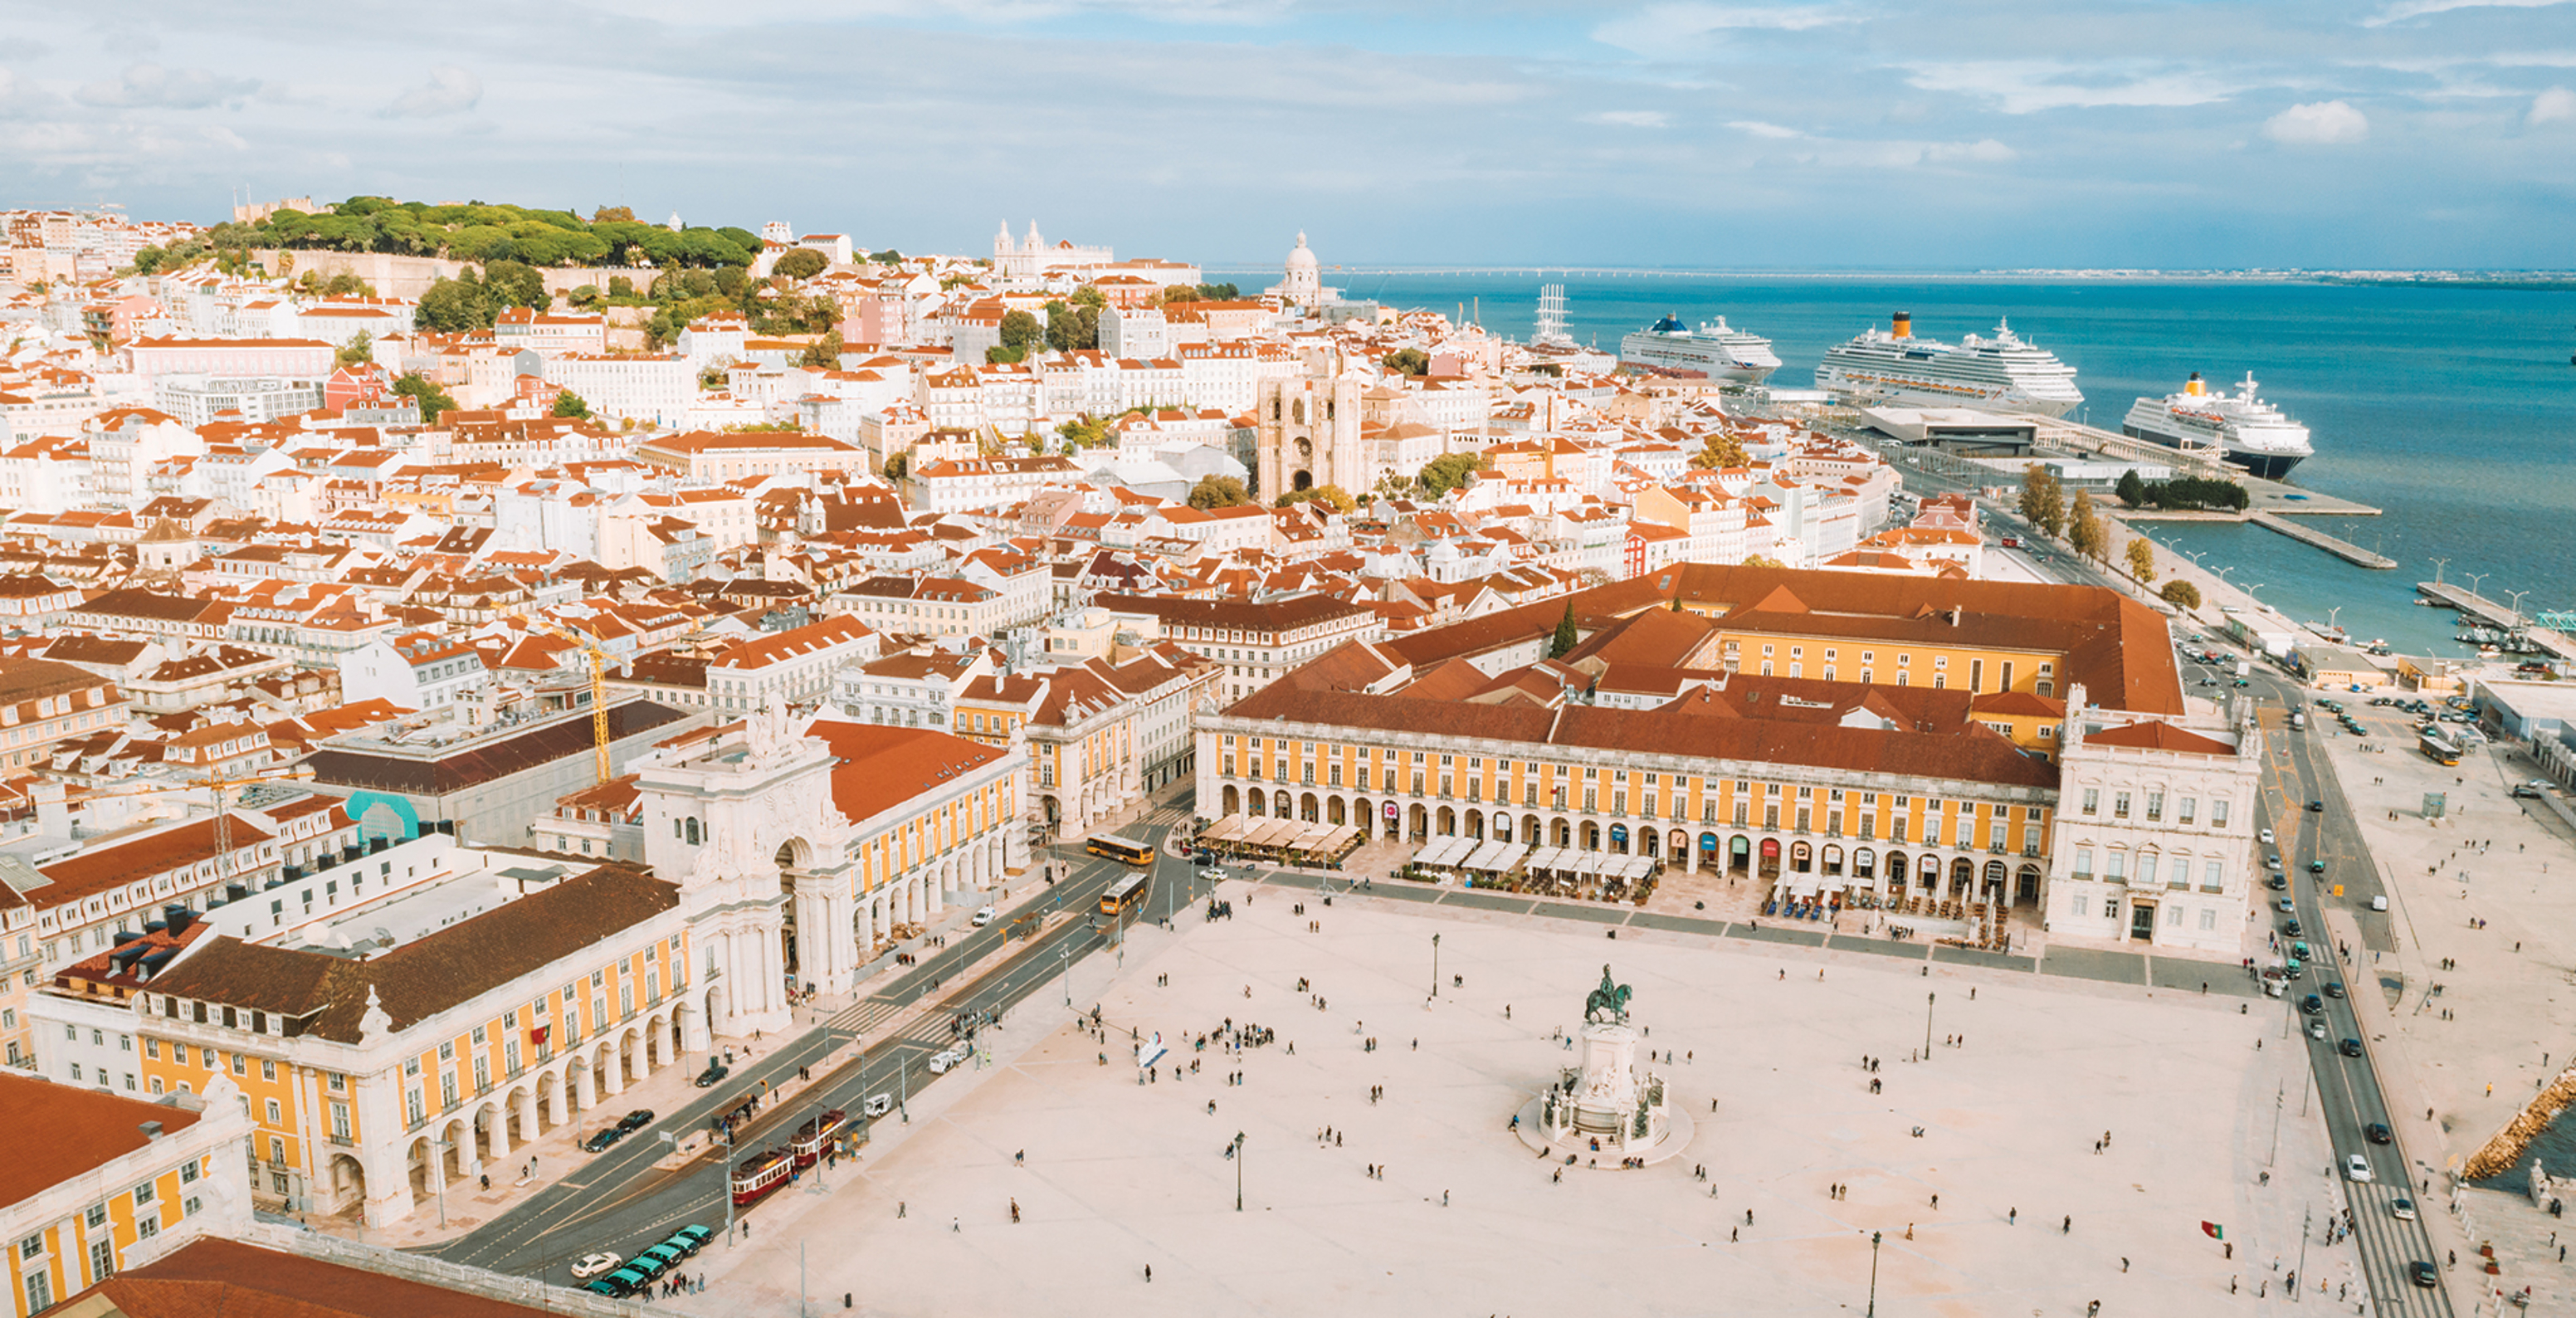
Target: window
[(340, 1121), (102, 1260), (2084, 862), (2092, 800), (188, 1172), (267, 1070), (2185, 809), (96, 1217), (2119, 805), (2210, 877), (143, 1193), (31, 1247), (276, 1114), (2082, 906), (2218, 812), (2155, 806), (40, 1292)]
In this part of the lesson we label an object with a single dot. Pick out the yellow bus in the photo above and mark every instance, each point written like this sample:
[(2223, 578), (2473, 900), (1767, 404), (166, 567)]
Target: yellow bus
[(1119, 848), (1122, 896)]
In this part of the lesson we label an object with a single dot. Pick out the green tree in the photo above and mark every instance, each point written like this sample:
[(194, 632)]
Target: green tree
[(1331, 496), (1763, 560), (515, 284), (620, 286), (2043, 499), (1218, 492), (358, 349), (1408, 361), (1088, 296), (1086, 432), (454, 306), (1563, 643), (825, 353), (887, 257), (2142, 560), (612, 214), (432, 399), (1448, 472), (2181, 594), (897, 467), (2084, 529), (803, 263), (2132, 489), (1723, 450), (569, 403), (585, 296), (1019, 330), (1073, 328)]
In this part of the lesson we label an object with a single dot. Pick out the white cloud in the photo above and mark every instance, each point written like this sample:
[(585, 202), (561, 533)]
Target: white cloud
[(2317, 123), (2406, 9), (2025, 86), (144, 86), (1983, 151), (1760, 129), (1689, 28), (2552, 106), (1631, 118), (450, 90)]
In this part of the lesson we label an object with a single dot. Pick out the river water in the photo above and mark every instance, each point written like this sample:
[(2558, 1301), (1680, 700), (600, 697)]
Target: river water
[(2452, 409)]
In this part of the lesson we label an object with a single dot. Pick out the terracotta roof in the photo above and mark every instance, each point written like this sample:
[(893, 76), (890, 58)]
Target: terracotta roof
[(78, 1129), (2156, 736), (483, 760), (433, 973), (216, 1278), (883, 766)]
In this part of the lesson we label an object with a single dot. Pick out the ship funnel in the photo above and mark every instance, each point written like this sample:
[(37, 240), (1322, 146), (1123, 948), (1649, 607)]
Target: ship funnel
[(1902, 325), (2195, 386)]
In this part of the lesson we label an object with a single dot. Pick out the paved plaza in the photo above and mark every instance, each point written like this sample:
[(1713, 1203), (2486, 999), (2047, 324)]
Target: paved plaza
[(1464, 1220)]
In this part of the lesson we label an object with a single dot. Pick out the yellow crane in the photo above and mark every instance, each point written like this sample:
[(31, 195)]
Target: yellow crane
[(598, 659)]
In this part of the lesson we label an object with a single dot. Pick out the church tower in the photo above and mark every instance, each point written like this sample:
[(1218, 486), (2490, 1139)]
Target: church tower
[(1308, 434), (1302, 282)]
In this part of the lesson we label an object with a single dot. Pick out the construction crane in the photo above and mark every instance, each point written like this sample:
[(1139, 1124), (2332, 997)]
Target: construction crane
[(598, 694)]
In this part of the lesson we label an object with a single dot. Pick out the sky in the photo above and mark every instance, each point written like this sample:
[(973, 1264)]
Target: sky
[(1674, 133)]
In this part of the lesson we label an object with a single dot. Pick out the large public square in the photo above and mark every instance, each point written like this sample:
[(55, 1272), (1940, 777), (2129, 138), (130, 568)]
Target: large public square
[(1463, 1219)]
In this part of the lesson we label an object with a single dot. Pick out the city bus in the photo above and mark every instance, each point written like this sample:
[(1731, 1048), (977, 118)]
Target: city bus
[(1119, 848), (1123, 896), (2437, 749)]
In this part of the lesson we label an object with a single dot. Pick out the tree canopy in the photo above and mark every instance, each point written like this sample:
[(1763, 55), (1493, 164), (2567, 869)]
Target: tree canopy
[(803, 263), (1723, 450), (432, 399), (2180, 593), (1218, 492), (2142, 560), (2132, 488), (1563, 642), (1447, 472), (1331, 496), (1408, 361), (2043, 499), (2084, 530), (475, 231), (1019, 330), (569, 403)]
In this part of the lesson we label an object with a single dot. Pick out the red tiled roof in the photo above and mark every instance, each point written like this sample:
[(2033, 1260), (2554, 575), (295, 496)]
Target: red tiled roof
[(882, 766), (2152, 735), (72, 1129)]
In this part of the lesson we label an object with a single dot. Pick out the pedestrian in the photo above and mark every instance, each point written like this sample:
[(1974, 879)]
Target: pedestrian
[(1734, 1234), (2067, 1227), (953, 1226), (2012, 1217), (902, 1209), (2124, 1264), (1149, 1274)]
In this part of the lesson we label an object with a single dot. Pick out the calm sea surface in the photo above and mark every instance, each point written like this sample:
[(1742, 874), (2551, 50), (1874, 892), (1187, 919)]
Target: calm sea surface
[(2452, 409)]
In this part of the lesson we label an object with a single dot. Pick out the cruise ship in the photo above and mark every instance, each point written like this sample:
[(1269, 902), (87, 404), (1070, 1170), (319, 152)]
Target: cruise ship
[(2001, 373), (1712, 350), (2241, 429)]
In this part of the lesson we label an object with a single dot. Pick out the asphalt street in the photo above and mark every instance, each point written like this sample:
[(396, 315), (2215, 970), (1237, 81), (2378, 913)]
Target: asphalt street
[(620, 1202)]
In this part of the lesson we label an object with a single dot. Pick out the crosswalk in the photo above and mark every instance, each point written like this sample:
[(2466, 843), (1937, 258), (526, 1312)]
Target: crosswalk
[(865, 1014)]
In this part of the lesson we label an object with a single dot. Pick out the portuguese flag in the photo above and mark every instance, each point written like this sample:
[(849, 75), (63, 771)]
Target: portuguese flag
[(2213, 1230)]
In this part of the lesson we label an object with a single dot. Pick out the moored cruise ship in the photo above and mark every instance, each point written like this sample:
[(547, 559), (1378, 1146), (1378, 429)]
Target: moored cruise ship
[(2242, 429), (1712, 350), (2000, 373)]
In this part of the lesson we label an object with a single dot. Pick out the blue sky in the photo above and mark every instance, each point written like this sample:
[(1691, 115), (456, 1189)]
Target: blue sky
[(2400, 133)]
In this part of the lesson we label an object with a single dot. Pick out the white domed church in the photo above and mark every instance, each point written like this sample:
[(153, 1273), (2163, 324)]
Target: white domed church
[(1301, 282)]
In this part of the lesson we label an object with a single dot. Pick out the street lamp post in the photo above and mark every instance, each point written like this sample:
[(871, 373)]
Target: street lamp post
[(2517, 606), (1928, 1000), (439, 1149), (1238, 1171), (1435, 965), (1874, 1238), (2473, 578), (2438, 565)]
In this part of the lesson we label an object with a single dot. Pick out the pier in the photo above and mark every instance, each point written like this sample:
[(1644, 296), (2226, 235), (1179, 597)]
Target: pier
[(2495, 615), (2343, 549)]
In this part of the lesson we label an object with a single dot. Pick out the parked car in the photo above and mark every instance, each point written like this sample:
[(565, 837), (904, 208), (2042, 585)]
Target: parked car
[(2379, 902), (879, 1105), (715, 1071), (2526, 793), (2267, 837), (661, 1258), (621, 1283), (592, 1265), (983, 916), (636, 1120), (940, 1064), (600, 1140), (691, 1238), (2356, 1168)]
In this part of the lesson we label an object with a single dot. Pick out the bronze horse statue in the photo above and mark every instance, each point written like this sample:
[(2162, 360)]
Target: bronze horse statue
[(1608, 1003)]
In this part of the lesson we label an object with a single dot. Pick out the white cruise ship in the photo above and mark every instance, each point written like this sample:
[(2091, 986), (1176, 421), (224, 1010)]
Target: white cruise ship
[(2001, 373), (2241, 429), (1712, 350)]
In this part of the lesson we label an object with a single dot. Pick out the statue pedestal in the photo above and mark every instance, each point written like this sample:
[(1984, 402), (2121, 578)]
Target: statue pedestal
[(1608, 1107)]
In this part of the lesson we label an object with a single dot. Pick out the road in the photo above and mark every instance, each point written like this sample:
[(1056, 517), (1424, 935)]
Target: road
[(618, 1201)]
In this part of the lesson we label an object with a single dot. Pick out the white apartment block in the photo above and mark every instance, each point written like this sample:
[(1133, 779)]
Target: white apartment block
[(2155, 833), (654, 389)]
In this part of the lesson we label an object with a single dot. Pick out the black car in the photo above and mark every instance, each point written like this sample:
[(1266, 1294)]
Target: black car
[(2334, 990), (2423, 1274), (2317, 807), (2290, 927), (715, 1071), (636, 1120), (600, 1140), (2279, 882), (2350, 1047), (2376, 1133), (2312, 1004)]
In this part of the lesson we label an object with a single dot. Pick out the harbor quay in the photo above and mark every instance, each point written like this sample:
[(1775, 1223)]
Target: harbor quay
[(1370, 1139)]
